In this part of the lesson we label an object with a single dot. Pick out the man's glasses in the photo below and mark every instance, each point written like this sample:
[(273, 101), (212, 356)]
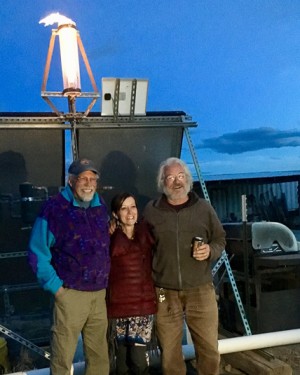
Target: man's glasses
[(85, 180), (171, 177)]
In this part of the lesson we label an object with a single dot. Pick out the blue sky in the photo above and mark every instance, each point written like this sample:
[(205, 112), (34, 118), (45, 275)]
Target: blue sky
[(233, 65)]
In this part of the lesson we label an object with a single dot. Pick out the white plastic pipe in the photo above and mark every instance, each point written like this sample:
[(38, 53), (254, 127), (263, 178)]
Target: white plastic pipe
[(230, 345), (259, 341)]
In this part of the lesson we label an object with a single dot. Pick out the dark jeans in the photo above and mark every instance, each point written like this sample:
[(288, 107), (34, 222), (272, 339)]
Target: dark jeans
[(131, 360), (198, 306)]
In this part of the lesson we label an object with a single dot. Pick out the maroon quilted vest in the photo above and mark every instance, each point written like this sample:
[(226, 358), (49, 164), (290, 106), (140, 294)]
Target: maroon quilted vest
[(131, 290)]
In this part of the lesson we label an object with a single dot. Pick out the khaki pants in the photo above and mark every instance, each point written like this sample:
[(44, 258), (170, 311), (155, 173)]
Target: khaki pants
[(198, 307), (78, 312)]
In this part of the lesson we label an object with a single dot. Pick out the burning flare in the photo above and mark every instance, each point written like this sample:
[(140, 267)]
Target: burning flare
[(56, 17), (67, 33)]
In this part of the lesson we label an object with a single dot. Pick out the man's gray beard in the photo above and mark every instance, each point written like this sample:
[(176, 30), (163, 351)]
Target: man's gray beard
[(87, 198), (175, 196)]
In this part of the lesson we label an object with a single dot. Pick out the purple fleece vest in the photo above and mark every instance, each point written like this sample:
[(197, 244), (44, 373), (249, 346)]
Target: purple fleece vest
[(80, 255)]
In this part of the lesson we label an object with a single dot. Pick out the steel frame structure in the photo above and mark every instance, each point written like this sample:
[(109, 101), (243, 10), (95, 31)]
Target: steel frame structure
[(95, 121)]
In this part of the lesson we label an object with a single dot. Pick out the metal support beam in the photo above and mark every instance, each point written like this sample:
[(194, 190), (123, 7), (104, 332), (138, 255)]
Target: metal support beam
[(24, 342), (224, 257), (133, 98)]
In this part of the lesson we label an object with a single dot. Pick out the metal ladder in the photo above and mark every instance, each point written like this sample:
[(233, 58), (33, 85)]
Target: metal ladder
[(224, 258)]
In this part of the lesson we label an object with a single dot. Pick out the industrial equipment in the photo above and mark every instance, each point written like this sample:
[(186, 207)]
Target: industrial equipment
[(265, 260)]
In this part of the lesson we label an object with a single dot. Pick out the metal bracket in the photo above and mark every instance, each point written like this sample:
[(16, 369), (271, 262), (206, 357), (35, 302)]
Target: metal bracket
[(24, 342), (133, 98), (116, 99), (117, 96)]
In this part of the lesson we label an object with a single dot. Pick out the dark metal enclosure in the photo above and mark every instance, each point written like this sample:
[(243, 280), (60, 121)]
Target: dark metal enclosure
[(33, 163)]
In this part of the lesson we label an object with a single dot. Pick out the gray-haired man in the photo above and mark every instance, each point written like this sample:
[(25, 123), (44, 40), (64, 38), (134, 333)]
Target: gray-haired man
[(183, 277), (69, 252)]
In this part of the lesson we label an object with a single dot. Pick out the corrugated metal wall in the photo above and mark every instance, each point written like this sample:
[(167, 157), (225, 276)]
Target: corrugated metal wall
[(269, 200)]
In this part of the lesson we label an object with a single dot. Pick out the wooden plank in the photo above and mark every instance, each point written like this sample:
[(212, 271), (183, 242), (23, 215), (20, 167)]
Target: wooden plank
[(253, 363)]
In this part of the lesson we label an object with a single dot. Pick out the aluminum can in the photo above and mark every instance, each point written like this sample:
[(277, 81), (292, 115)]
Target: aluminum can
[(196, 241)]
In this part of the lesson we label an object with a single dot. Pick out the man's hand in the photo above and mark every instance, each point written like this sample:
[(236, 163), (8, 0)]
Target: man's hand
[(59, 292), (202, 252), (112, 225)]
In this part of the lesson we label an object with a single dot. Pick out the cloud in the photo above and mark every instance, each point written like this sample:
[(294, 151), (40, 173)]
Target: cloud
[(252, 140)]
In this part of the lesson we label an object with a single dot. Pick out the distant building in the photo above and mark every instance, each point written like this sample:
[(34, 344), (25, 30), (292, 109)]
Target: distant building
[(271, 196)]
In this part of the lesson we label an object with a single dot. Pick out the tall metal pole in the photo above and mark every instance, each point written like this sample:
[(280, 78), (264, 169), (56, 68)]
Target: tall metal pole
[(246, 255), (73, 122)]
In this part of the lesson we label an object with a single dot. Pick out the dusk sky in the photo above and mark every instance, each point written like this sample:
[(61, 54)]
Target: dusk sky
[(233, 65)]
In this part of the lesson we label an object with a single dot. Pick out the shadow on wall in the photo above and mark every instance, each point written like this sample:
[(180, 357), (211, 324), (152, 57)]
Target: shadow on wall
[(119, 174), (13, 173), (13, 170)]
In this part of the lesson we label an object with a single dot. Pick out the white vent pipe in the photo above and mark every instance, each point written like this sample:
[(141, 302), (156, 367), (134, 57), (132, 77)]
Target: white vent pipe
[(230, 345)]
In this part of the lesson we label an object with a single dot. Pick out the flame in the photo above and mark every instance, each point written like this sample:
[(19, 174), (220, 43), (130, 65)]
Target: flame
[(68, 51), (56, 17)]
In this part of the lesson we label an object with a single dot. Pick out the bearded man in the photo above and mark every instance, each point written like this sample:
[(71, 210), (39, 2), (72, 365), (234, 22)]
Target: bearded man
[(182, 273), (69, 252)]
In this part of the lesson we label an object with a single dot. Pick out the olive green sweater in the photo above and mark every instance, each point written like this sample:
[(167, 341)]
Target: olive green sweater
[(173, 264)]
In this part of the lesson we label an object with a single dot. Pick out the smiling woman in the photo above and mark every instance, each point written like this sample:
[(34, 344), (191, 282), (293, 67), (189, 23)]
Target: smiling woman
[(131, 298)]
